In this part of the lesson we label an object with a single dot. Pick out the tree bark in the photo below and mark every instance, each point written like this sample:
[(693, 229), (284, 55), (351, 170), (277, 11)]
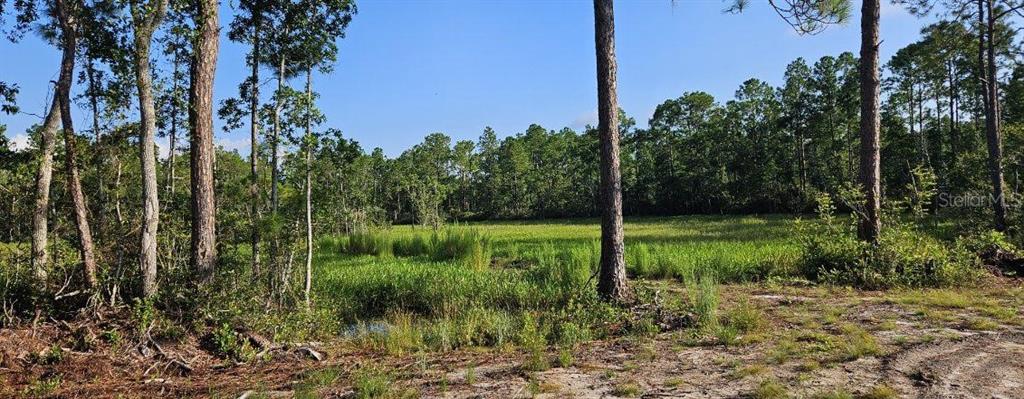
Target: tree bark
[(203, 254), (90, 72), (146, 17), (612, 282), (870, 225), (275, 245), (992, 134), (69, 39), (254, 127), (309, 188), (44, 175)]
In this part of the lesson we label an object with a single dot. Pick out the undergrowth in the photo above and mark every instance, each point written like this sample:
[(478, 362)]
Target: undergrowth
[(904, 256)]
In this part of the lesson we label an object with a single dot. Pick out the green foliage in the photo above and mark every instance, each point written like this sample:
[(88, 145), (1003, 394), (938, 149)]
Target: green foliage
[(903, 257), (43, 387), (228, 343)]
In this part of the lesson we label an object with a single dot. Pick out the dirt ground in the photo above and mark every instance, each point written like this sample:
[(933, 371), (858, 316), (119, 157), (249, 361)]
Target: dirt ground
[(808, 342)]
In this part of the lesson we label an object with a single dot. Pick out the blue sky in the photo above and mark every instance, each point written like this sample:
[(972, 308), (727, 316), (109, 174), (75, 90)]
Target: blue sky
[(409, 68)]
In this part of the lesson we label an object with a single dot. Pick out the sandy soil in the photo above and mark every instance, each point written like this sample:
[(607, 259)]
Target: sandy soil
[(925, 349)]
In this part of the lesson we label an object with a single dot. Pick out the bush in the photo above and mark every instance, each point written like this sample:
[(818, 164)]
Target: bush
[(903, 256)]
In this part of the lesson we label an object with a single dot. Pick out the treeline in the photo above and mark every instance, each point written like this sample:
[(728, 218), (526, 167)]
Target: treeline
[(767, 149)]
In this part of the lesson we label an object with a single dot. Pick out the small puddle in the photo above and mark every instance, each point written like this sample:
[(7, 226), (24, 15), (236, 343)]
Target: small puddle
[(376, 327)]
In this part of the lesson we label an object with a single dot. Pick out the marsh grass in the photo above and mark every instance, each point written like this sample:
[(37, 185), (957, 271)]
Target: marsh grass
[(405, 290)]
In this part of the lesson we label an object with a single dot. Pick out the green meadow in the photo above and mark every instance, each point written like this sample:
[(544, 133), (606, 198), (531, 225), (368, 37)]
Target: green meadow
[(497, 283)]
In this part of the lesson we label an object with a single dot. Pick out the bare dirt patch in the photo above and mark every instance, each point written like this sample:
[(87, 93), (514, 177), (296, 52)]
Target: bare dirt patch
[(934, 344), (979, 366)]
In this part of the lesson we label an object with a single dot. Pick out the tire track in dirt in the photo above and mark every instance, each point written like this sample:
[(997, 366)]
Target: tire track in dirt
[(979, 366)]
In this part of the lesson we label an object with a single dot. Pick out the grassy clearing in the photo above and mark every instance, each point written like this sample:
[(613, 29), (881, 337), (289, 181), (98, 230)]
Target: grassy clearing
[(532, 283)]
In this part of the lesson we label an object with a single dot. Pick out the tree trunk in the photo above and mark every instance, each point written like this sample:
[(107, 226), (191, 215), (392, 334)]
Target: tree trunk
[(992, 133), (172, 140), (275, 244), (69, 35), (145, 20), (612, 282), (309, 187), (40, 226), (274, 200), (204, 65), (953, 136), (870, 168), (90, 72), (254, 127)]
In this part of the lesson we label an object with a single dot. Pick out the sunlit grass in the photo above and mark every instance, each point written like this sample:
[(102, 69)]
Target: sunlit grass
[(485, 283)]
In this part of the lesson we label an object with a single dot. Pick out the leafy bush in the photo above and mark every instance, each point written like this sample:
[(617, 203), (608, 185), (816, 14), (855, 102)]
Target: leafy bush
[(903, 256)]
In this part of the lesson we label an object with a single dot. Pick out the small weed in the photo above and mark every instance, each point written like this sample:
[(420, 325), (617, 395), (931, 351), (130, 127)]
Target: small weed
[(837, 394), (43, 387), (628, 389), (748, 371), (855, 344), (887, 325), (880, 392), (314, 380), (470, 375), (565, 358), (981, 324), (674, 382), (371, 383), (770, 389), (783, 352), (808, 366)]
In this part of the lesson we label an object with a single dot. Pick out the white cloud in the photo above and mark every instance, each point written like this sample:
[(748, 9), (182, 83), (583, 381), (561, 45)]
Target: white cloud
[(20, 142), (163, 147), (234, 144), (584, 119)]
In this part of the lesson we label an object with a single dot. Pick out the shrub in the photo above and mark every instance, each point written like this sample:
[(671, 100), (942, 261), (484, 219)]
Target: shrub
[(903, 256)]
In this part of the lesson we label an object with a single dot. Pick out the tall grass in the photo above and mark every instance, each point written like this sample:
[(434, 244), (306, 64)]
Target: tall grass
[(734, 262), (375, 243), (467, 246), (441, 290)]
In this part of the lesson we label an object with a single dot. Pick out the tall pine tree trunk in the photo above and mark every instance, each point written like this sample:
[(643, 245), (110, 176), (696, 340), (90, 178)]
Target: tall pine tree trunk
[(992, 134), (309, 187), (254, 128), (203, 254), (612, 282), (145, 20), (870, 224), (93, 92)]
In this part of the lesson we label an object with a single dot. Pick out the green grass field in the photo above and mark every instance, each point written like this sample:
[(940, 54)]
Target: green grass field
[(540, 273)]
